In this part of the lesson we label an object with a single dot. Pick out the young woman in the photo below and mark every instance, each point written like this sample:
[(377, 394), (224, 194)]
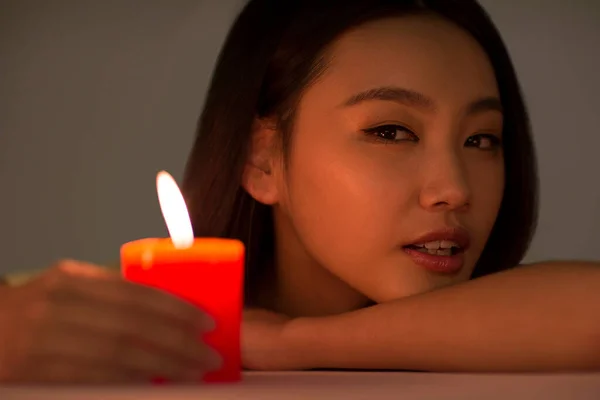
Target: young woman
[(375, 157)]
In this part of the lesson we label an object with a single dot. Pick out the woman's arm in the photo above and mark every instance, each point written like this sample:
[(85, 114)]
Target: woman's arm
[(532, 318)]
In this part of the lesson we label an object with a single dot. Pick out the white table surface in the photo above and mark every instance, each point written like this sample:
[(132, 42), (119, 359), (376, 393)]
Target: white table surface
[(344, 385)]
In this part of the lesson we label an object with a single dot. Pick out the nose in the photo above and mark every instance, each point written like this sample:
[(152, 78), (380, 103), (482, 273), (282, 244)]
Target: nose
[(445, 185)]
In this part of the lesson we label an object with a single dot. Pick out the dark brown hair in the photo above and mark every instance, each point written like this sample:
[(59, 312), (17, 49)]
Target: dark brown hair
[(273, 52)]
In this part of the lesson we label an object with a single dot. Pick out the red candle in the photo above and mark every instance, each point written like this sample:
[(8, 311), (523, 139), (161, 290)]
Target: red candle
[(207, 272)]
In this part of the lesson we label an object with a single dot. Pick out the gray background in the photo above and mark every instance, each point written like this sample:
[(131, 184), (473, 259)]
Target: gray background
[(97, 96)]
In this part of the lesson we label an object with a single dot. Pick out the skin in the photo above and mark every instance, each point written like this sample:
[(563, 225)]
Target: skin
[(78, 323), (348, 201)]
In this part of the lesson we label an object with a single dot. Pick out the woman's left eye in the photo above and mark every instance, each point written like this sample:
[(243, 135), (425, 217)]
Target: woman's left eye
[(484, 142)]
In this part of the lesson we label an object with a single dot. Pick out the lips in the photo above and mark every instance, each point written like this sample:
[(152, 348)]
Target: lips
[(441, 250)]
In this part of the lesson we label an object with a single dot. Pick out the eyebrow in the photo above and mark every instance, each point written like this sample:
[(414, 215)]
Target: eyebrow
[(489, 103), (391, 93), (418, 100)]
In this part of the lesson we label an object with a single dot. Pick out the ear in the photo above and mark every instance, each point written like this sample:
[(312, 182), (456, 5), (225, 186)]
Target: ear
[(259, 178)]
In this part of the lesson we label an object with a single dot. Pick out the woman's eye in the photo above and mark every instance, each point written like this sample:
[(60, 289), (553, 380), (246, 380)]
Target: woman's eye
[(391, 133), (484, 142)]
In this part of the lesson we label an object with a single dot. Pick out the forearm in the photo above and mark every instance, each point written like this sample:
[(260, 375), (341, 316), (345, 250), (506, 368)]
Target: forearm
[(544, 317)]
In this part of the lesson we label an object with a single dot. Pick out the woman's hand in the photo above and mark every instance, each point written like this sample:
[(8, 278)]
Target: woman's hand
[(78, 323), (266, 344)]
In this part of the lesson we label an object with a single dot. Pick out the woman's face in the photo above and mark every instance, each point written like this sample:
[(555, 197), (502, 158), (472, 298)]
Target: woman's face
[(395, 175)]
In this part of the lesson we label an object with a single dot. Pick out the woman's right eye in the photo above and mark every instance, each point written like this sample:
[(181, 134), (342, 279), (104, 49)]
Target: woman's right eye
[(391, 133)]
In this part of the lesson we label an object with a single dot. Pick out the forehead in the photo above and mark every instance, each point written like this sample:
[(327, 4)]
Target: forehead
[(423, 53)]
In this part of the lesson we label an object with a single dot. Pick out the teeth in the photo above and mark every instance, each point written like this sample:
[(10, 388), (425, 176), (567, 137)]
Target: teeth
[(438, 244), (436, 252), (433, 245)]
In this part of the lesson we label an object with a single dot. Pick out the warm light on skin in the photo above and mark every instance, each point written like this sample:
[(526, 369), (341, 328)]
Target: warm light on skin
[(174, 211)]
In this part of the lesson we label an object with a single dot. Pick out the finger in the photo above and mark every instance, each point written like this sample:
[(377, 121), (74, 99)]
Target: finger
[(121, 293), (90, 280), (123, 354), (117, 354), (125, 328)]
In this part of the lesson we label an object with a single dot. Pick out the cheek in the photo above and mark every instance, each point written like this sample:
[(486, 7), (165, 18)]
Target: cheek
[(340, 200)]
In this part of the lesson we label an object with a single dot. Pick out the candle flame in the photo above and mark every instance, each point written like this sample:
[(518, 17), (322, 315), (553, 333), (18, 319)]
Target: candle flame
[(174, 211)]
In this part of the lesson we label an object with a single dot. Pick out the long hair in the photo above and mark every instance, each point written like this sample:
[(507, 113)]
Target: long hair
[(274, 51)]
